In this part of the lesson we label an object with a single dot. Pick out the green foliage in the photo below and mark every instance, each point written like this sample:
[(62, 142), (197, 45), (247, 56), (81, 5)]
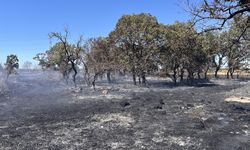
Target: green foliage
[(136, 39), (62, 55), (139, 45), (182, 49)]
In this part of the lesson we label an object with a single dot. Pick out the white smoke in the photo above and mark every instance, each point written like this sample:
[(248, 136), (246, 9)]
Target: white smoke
[(3, 84)]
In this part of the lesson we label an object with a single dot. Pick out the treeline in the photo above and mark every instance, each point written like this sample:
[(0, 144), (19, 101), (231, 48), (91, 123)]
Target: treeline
[(140, 45)]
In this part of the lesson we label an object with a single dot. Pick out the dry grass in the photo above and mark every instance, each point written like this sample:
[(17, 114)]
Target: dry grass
[(223, 72)]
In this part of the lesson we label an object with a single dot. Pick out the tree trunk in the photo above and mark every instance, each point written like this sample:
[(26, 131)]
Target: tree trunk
[(74, 77), (175, 76), (199, 75), (134, 75), (182, 75), (190, 75), (218, 67), (228, 71), (238, 75), (94, 80), (86, 75), (75, 72), (216, 72), (143, 76), (134, 78), (205, 73), (139, 80), (109, 76), (232, 73)]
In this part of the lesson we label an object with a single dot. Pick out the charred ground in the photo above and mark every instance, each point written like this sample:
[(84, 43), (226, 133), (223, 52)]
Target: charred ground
[(41, 112)]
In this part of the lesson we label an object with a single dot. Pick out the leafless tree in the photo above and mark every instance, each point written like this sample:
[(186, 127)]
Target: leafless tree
[(27, 65), (219, 12)]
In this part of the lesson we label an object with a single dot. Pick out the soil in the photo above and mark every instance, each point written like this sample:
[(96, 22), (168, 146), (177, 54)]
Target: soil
[(41, 112)]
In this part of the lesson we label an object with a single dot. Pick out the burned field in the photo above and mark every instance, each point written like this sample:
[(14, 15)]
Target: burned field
[(40, 112)]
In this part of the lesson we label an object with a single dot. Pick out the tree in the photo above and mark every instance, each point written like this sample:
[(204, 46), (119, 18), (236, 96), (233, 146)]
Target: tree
[(209, 45), (12, 63), (181, 51), (220, 52), (219, 11), (218, 15), (136, 39), (70, 52), (239, 50), (170, 52), (101, 54), (98, 59), (27, 65), (57, 59), (42, 59)]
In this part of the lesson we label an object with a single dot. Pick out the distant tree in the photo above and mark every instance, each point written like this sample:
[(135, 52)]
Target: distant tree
[(27, 65), (12, 63), (42, 59)]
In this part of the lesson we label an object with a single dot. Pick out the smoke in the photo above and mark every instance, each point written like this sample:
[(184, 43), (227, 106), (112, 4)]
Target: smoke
[(3, 84)]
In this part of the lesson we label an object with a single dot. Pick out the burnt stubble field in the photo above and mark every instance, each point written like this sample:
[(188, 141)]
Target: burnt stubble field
[(39, 111)]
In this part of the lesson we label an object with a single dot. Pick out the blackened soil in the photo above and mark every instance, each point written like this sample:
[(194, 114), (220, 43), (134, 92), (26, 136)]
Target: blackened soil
[(43, 114)]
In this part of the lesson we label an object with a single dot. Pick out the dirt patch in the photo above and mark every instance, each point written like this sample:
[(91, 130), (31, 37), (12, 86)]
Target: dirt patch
[(245, 100), (119, 119)]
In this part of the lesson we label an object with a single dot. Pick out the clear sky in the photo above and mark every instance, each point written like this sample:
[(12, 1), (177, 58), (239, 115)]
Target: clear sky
[(25, 24)]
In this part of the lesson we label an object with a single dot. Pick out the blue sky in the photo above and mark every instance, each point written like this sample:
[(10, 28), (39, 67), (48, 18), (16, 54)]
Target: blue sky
[(25, 24)]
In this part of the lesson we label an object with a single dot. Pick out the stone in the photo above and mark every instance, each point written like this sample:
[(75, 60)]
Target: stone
[(161, 102), (125, 104), (158, 107), (190, 105)]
